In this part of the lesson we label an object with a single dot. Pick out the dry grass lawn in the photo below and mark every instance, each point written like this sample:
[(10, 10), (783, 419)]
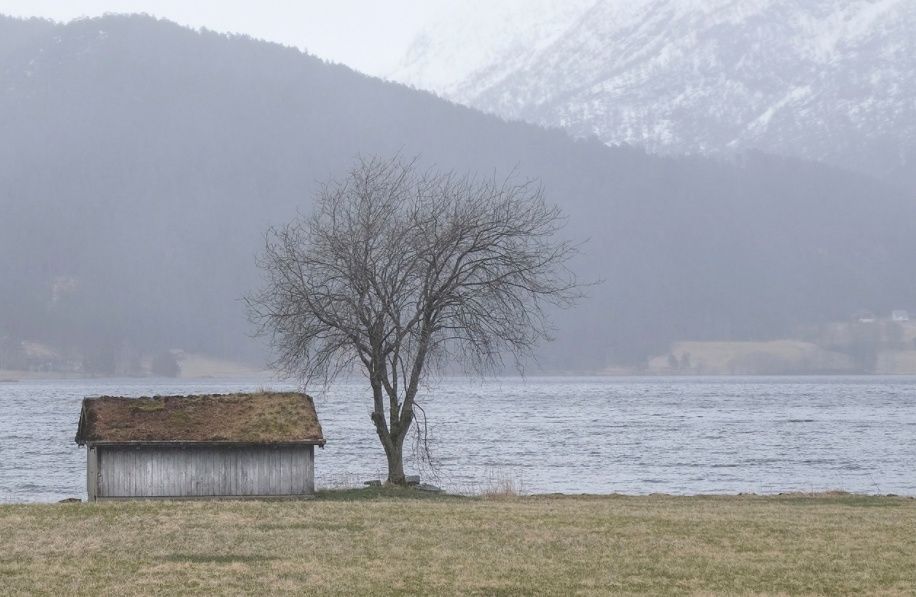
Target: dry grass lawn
[(378, 542)]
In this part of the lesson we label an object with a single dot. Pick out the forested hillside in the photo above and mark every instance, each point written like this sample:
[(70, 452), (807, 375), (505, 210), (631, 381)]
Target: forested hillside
[(140, 163)]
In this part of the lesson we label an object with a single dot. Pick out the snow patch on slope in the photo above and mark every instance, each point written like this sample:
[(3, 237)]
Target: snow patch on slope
[(477, 34), (831, 80)]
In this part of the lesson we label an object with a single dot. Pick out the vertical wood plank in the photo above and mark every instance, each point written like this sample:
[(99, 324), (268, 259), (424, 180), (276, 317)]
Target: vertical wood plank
[(280, 488), (301, 455), (140, 472), (252, 470), (181, 473), (240, 481), (215, 459), (295, 485), (286, 468), (225, 472), (92, 473), (154, 457), (310, 471), (211, 467), (167, 472), (137, 471), (231, 466), (170, 482), (242, 457), (147, 468), (206, 475), (127, 470), (112, 471), (259, 469), (122, 468), (217, 473), (307, 477), (255, 469), (108, 468), (266, 455), (252, 460), (275, 471), (292, 464)]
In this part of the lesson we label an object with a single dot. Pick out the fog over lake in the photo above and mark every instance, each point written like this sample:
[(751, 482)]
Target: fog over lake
[(724, 214), (571, 435)]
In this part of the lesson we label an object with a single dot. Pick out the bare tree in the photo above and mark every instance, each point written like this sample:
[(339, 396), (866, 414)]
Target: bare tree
[(402, 273)]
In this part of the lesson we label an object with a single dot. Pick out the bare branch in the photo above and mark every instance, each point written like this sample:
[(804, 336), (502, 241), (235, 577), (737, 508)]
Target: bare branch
[(406, 273)]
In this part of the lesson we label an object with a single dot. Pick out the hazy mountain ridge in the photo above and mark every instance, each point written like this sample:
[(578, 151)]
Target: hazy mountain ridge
[(141, 163), (829, 80)]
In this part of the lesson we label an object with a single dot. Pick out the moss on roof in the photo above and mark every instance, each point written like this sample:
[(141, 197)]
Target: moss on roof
[(264, 417)]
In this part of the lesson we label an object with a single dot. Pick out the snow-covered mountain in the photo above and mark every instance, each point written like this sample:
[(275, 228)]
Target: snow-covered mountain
[(830, 80)]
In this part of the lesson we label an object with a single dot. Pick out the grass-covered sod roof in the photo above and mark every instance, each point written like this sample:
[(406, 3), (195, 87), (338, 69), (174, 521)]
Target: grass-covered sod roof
[(259, 418)]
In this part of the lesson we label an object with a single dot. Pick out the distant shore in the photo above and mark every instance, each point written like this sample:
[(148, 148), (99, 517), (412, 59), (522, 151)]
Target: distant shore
[(11, 377), (387, 542), (193, 366)]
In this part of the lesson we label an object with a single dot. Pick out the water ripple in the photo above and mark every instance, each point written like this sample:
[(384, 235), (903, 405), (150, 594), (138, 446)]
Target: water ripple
[(573, 435)]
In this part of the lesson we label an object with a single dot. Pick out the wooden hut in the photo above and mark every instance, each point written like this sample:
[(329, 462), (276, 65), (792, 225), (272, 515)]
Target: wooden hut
[(199, 446)]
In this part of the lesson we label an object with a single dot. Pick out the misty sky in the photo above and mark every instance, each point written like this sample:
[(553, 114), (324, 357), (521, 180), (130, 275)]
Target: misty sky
[(367, 35)]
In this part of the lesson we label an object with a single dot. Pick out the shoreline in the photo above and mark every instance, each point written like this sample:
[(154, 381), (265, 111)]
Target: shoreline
[(12, 377), (410, 493)]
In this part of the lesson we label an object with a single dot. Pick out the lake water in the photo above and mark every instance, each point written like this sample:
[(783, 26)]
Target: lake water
[(572, 435)]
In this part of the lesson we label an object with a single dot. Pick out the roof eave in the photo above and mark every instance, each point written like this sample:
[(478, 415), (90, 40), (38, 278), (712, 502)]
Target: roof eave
[(183, 443)]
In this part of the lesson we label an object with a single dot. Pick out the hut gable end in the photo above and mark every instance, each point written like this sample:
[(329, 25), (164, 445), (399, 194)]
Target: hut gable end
[(258, 418)]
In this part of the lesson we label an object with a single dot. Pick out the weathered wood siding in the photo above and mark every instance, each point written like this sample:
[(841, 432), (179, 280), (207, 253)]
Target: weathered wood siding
[(201, 471), (92, 473)]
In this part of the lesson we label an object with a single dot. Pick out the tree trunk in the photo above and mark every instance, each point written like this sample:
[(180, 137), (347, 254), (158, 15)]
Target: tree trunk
[(393, 443), (396, 464)]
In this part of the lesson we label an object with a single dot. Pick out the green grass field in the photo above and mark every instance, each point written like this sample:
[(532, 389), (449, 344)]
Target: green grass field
[(389, 542)]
